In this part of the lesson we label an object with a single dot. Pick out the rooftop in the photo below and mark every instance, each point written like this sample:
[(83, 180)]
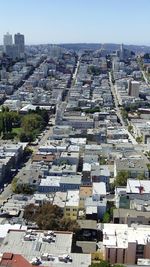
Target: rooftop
[(85, 191), (132, 163), (33, 244), (72, 198), (99, 188), (138, 186), (119, 235), (14, 260)]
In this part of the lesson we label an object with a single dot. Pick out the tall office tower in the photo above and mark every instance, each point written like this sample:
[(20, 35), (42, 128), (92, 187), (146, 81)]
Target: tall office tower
[(7, 40), (122, 52), (20, 43), (133, 88)]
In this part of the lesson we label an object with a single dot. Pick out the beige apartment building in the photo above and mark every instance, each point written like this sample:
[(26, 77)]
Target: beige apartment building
[(125, 245)]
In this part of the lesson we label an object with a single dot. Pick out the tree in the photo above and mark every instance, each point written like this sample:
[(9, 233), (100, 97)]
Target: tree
[(121, 178), (100, 264), (139, 139), (32, 122), (124, 113), (49, 217), (22, 189), (43, 113), (69, 225), (94, 70), (1, 125), (92, 110), (27, 152), (106, 217), (105, 264), (7, 120), (27, 137), (141, 176), (14, 184), (130, 128), (102, 160)]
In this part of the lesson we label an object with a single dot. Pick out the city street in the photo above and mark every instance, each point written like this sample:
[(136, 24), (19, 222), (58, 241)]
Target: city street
[(118, 112)]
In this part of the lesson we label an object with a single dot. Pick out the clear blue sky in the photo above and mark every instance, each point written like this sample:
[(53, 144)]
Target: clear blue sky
[(60, 21)]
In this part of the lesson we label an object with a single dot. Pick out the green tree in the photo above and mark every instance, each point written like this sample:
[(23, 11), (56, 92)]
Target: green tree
[(14, 184), (27, 137), (100, 264), (130, 128), (141, 176), (124, 113), (106, 217), (105, 264), (44, 114), (121, 178), (22, 189), (32, 122), (139, 139), (92, 110), (1, 124), (94, 70), (16, 119)]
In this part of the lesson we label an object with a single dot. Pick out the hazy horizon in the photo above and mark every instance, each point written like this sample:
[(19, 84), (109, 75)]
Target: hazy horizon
[(76, 21)]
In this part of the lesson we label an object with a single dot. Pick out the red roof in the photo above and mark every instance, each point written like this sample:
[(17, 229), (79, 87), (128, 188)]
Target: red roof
[(14, 260)]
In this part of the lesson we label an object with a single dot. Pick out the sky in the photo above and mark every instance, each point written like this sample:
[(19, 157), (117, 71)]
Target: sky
[(77, 21)]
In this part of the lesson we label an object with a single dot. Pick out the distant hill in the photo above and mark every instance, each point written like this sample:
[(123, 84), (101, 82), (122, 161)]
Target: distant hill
[(111, 47)]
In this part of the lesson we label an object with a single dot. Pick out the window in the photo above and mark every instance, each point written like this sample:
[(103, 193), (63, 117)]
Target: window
[(108, 253), (74, 209), (67, 209), (124, 256), (139, 251)]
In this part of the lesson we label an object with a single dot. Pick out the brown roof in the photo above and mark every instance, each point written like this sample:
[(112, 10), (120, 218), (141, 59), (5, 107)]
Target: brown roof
[(14, 260), (45, 158), (85, 191)]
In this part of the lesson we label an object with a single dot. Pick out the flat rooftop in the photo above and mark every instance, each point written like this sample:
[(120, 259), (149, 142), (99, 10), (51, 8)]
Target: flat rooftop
[(120, 235), (72, 198), (15, 243), (138, 186), (99, 188)]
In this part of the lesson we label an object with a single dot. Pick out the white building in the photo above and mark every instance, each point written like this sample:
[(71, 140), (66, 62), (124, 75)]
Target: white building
[(7, 40)]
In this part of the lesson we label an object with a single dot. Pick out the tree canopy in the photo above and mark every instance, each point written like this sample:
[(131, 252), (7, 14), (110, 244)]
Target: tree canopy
[(121, 178), (49, 217), (25, 127), (94, 70)]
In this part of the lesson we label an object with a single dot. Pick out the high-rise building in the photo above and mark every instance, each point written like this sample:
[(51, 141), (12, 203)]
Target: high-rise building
[(133, 88), (12, 51), (20, 43), (122, 52), (7, 40)]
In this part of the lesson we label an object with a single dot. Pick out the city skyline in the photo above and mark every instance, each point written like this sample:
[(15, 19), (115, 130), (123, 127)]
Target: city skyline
[(89, 21)]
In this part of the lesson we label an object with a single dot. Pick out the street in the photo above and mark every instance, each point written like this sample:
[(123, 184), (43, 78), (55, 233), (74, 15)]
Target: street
[(118, 112)]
